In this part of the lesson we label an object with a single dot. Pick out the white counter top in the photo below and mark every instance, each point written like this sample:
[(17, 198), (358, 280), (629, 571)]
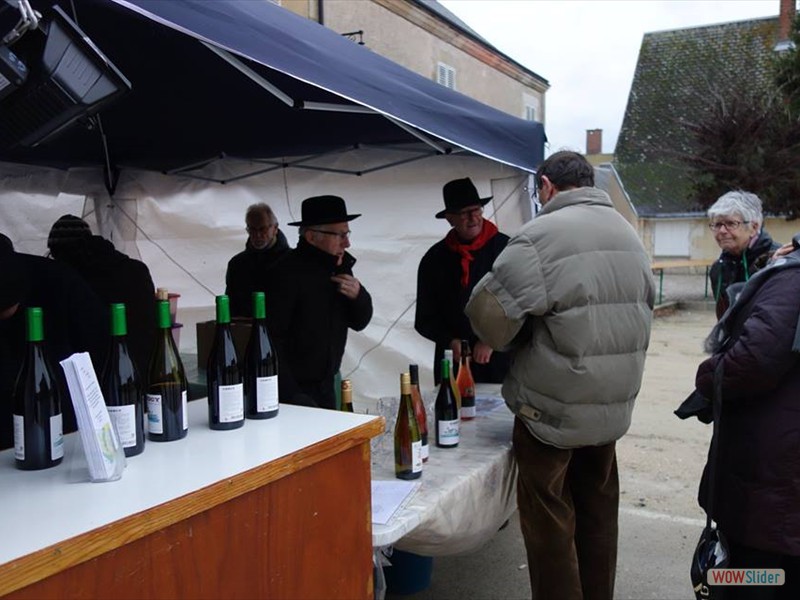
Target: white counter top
[(42, 508)]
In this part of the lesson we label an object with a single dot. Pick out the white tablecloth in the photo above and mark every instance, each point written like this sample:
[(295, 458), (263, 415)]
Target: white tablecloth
[(465, 493)]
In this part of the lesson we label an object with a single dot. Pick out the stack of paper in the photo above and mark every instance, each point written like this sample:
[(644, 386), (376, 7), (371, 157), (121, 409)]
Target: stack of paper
[(101, 444)]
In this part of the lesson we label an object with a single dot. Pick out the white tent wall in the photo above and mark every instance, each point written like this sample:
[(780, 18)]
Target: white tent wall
[(186, 230)]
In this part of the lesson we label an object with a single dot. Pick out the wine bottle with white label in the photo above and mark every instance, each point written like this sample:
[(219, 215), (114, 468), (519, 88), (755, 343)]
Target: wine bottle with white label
[(260, 367), (446, 411), (224, 375), (38, 432), (167, 390), (407, 440), (122, 388)]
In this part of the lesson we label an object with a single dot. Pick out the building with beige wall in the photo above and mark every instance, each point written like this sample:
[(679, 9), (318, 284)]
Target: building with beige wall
[(426, 38)]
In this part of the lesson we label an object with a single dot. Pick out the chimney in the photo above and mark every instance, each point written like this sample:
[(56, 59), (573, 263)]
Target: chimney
[(594, 141), (785, 19)]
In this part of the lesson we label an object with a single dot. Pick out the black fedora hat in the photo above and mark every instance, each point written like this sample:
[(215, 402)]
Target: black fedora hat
[(321, 210), (459, 194)]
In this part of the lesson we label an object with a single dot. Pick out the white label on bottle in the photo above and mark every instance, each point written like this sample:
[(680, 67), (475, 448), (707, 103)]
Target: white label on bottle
[(467, 412), (267, 393), (124, 419), (56, 437), (185, 409), (416, 457), (231, 403), (448, 432), (155, 416), (424, 452), (19, 437)]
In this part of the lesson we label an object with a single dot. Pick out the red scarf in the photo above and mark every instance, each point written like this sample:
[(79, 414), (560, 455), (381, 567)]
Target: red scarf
[(488, 231)]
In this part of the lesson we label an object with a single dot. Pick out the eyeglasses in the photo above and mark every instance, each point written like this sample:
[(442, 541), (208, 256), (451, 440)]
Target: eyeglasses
[(728, 225), (344, 235)]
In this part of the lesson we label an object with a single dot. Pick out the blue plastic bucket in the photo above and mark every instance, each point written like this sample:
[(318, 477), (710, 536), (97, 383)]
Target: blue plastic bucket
[(409, 573)]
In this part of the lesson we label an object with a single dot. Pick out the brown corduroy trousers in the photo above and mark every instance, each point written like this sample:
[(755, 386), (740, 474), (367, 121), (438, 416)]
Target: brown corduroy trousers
[(568, 503)]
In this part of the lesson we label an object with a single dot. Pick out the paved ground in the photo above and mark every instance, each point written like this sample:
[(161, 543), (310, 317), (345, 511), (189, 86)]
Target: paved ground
[(660, 462)]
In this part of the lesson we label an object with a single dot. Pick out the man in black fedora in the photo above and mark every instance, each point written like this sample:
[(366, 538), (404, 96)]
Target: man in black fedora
[(313, 301), (448, 272)]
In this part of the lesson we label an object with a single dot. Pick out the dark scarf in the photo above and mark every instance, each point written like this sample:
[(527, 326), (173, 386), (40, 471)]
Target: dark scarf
[(488, 231)]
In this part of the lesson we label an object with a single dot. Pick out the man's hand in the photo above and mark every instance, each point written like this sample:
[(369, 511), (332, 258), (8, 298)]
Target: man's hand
[(481, 353), (455, 346), (347, 285)]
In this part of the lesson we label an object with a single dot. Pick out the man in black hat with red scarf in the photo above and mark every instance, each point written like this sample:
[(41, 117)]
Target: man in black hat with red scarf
[(448, 272), (312, 302)]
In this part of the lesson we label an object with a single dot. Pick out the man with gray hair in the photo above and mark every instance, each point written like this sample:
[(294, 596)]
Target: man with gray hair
[(247, 271), (736, 221)]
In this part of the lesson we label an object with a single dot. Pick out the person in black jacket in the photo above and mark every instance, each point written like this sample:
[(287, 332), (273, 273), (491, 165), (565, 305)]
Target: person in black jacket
[(248, 271), (72, 316), (736, 221), (754, 372), (448, 272), (312, 301), (114, 277)]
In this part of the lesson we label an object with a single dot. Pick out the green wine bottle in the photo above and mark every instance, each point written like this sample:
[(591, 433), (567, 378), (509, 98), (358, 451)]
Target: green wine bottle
[(122, 388), (223, 375), (447, 421), (38, 429), (167, 397)]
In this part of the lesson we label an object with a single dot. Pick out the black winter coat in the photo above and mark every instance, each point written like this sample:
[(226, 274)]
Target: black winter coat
[(73, 321), (116, 277), (249, 271), (308, 319), (730, 269), (441, 300), (757, 494)]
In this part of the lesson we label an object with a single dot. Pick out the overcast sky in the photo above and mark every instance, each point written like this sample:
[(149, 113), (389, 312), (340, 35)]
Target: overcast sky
[(587, 50)]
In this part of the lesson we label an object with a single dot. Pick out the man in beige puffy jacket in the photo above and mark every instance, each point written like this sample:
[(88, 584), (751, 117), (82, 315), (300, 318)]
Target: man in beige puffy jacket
[(571, 299)]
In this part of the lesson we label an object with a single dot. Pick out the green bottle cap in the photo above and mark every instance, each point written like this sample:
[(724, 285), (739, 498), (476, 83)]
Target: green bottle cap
[(35, 319), (259, 309), (164, 320), (445, 369), (119, 323), (223, 309)]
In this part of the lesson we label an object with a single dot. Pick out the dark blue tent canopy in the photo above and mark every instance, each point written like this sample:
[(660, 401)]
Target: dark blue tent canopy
[(252, 79)]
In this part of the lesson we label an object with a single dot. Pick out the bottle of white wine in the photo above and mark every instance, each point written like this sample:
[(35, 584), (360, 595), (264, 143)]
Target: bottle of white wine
[(447, 421), (407, 440), (260, 367), (223, 375), (38, 429), (347, 396), (448, 354), (167, 418), (122, 388)]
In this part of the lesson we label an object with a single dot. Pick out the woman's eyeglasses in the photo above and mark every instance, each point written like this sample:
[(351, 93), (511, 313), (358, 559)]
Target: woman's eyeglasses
[(728, 225)]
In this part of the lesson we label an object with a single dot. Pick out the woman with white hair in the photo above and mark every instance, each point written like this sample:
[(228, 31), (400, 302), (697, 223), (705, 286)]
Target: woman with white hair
[(736, 220)]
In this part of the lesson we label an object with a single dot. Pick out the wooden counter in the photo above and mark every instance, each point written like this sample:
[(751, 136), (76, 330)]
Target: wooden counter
[(277, 509)]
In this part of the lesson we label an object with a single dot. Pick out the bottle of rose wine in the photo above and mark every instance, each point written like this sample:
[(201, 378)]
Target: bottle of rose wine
[(260, 367), (347, 396), (447, 421), (466, 384), (448, 354), (407, 440), (38, 430), (122, 388), (223, 375), (167, 418), (419, 410)]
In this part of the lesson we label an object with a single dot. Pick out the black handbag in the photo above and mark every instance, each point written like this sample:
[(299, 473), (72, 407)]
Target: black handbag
[(712, 550)]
